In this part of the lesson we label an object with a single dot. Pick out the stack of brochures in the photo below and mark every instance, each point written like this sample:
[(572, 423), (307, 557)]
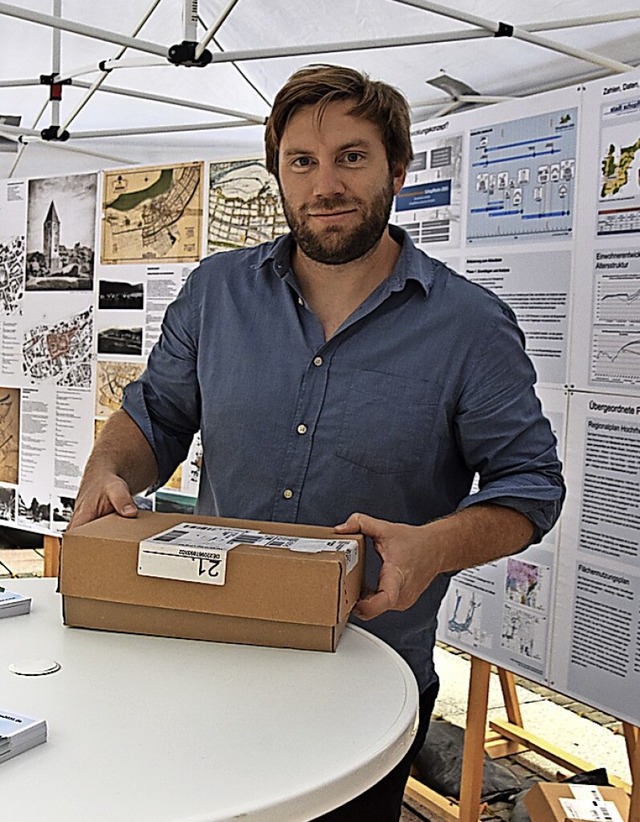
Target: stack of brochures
[(12, 604), (19, 733)]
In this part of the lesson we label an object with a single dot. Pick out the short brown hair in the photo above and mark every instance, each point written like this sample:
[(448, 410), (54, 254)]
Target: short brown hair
[(321, 85)]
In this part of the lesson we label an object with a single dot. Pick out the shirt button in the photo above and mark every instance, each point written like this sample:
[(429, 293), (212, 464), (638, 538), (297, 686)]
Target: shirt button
[(287, 493), (302, 428), (317, 360), (300, 301)]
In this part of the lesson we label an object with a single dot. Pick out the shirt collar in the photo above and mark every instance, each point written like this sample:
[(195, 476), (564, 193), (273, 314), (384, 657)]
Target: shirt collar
[(412, 264)]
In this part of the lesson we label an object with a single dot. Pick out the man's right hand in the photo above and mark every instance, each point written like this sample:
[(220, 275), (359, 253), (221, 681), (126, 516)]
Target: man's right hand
[(111, 495), (121, 464)]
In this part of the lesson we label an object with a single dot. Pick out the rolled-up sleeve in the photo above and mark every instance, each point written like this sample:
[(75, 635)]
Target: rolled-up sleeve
[(165, 401), (503, 433)]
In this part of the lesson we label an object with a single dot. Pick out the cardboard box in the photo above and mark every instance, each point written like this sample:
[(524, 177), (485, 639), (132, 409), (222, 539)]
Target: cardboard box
[(544, 805), (269, 596)]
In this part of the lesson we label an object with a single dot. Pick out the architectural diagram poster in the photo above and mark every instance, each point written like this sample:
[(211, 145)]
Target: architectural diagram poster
[(536, 285), (596, 640), (429, 205), (521, 182), (244, 205), (151, 214), (503, 611)]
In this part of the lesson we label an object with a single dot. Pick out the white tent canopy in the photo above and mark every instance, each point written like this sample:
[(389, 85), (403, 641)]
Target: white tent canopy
[(122, 100)]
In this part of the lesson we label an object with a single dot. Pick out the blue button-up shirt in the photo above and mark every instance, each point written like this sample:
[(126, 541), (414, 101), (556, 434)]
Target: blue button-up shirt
[(423, 386)]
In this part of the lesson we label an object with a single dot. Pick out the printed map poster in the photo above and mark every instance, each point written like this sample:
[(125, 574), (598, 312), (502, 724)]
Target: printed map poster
[(619, 183), (596, 638), (152, 213), (428, 206), (111, 380), (244, 206), (503, 611), (521, 180), (13, 210), (57, 344), (61, 226), (9, 434)]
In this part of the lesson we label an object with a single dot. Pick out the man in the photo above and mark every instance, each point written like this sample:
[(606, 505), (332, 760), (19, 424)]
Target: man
[(339, 375)]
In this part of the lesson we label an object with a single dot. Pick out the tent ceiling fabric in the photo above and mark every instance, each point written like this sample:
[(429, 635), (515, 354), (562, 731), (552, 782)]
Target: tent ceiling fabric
[(492, 66)]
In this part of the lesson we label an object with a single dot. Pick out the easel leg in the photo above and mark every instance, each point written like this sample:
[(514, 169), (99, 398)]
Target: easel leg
[(51, 556), (632, 737), (474, 736)]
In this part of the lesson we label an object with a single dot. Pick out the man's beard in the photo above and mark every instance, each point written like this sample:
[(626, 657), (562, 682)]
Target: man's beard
[(335, 245)]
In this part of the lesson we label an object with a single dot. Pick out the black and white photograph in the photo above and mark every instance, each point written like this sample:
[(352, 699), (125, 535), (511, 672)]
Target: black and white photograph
[(61, 219), (116, 339), (34, 511), (7, 504), (120, 295), (62, 509)]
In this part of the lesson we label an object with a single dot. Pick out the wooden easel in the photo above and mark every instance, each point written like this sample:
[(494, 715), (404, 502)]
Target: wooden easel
[(508, 737), (51, 556)]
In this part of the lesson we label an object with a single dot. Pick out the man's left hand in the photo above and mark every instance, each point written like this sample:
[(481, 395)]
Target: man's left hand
[(408, 567)]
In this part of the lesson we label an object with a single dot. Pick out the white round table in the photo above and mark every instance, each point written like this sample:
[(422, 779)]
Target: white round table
[(153, 729)]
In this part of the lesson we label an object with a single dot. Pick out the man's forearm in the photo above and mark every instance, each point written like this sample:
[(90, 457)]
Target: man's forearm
[(121, 464), (477, 534), (413, 555), (123, 450)]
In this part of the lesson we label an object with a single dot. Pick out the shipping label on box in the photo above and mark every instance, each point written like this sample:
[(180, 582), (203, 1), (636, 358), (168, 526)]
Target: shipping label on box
[(588, 803), (195, 552)]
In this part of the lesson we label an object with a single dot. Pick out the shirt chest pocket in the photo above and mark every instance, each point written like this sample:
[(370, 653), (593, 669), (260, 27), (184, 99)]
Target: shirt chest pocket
[(386, 422)]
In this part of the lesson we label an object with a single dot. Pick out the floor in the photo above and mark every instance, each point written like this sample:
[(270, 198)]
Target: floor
[(583, 731)]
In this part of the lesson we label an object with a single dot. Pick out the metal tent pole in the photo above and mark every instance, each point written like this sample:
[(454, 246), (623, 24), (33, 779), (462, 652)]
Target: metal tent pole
[(503, 29), (127, 132), (112, 63), (55, 65), (100, 80), (18, 83), (23, 145), (213, 29), (80, 28), (353, 45), (576, 22), (143, 95)]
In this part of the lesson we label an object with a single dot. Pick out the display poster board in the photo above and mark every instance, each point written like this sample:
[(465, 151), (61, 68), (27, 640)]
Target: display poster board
[(88, 265), (537, 199)]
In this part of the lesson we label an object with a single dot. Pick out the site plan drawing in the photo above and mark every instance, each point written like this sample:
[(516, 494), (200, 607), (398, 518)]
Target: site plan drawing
[(244, 206), (152, 214), (11, 274), (522, 178), (61, 351)]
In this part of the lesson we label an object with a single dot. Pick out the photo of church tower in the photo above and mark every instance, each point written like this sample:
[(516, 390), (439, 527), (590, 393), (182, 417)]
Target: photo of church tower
[(51, 234), (61, 219)]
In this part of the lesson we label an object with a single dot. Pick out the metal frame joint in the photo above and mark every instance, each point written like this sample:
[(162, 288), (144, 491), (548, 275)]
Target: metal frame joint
[(504, 30), (55, 85), (50, 135), (184, 54)]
